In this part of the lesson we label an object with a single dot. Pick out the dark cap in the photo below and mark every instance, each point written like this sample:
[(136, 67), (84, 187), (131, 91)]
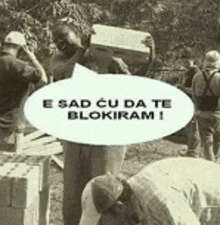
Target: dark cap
[(186, 53), (99, 194)]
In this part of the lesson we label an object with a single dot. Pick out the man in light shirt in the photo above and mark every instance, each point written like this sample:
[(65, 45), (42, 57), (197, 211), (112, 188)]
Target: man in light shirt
[(173, 191), (16, 76), (206, 92)]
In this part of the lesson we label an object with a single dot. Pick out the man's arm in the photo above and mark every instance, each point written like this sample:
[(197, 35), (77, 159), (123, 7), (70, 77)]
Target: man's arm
[(118, 66), (145, 68), (43, 78), (61, 68)]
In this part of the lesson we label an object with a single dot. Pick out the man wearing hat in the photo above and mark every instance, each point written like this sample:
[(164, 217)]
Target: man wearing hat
[(15, 78), (206, 92), (173, 191)]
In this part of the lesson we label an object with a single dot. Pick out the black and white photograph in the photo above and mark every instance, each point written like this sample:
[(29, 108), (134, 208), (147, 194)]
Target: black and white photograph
[(110, 112)]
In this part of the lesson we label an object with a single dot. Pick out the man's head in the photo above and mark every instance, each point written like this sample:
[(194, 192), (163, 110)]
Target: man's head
[(187, 57), (14, 41), (66, 40), (102, 203), (212, 60)]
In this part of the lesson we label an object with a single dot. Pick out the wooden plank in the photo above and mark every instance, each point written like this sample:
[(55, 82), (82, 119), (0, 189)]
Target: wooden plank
[(46, 151), (40, 141), (40, 148), (33, 135), (58, 162)]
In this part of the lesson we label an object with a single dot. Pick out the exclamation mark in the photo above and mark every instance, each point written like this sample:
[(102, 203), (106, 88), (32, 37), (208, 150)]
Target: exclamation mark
[(161, 115)]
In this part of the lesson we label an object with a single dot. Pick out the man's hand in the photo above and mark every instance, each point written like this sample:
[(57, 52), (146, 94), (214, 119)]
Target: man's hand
[(117, 65), (29, 53), (149, 42), (37, 65)]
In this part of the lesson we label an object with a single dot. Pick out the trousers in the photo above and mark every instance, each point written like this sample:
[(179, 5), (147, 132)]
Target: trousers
[(209, 129), (193, 140), (82, 163)]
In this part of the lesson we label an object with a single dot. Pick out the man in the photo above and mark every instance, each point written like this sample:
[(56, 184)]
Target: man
[(206, 92), (15, 78), (82, 162), (192, 132), (71, 51), (173, 191)]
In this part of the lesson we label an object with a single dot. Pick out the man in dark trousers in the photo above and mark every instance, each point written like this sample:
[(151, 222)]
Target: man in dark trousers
[(192, 131), (15, 78), (82, 162)]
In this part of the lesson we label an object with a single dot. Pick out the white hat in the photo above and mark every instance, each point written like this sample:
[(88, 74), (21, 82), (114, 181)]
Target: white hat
[(16, 38), (212, 60), (98, 195)]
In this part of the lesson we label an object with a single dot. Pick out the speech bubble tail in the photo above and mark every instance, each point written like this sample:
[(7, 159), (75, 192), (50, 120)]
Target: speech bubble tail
[(81, 72)]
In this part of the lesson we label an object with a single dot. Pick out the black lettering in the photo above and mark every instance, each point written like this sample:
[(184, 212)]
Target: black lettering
[(106, 114), (113, 105), (47, 103), (73, 103), (156, 101), (166, 103), (85, 103), (134, 115), (122, 114), (72, 115), (145, 115), (95, 115), (81, 116), (62, 103), (129, 103), (141, 103), (101, 103)]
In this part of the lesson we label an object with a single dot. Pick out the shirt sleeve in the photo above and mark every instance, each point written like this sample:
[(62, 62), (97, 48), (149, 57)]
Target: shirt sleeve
[(26, 73)]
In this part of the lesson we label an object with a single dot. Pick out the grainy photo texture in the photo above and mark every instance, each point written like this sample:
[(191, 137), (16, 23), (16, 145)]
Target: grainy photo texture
[(174, 180)]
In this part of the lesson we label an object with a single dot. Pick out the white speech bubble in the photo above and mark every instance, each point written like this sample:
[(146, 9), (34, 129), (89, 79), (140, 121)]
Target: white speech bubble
[(108, 109)]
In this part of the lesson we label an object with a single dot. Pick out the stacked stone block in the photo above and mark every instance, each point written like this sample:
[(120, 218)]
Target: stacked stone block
[(24, 189)]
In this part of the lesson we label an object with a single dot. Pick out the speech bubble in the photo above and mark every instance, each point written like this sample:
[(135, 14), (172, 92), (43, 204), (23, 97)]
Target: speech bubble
[(108, 109)]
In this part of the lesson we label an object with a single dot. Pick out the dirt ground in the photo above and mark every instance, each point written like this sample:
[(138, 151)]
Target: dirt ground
[(137, 157)]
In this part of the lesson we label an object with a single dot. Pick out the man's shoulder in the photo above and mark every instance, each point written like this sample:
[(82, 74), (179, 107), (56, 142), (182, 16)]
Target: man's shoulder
[(58, 57), (176, 165), (198, 75)]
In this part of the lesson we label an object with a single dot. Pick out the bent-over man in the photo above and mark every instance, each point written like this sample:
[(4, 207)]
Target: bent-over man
[(173, 191)]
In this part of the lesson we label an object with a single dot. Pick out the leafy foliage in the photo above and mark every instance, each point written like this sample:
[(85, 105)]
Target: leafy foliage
[(173, 23), (36, 22)]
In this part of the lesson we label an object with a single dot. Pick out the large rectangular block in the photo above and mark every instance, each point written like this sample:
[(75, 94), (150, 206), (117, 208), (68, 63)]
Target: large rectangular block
[(24, 183), (124, 43), (18, 216), (44, 166), (43, 162), (5, 191)]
